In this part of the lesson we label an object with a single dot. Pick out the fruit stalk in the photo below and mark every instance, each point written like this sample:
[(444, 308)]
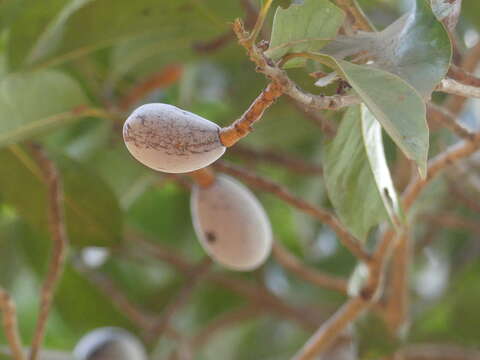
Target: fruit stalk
[(242, 126)]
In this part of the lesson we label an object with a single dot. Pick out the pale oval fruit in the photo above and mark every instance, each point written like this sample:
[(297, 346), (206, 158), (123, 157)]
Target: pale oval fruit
[(109, 343), (231, 224), (166, 138)]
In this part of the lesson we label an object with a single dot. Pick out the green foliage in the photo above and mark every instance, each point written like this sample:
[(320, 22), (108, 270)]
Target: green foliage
[(29, 111), (304, 27), (66, 66), (357, 175)]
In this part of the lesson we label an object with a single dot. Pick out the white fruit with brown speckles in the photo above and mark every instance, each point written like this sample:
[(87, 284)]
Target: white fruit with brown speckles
[(231, 224), (166, 138), (109, 343)]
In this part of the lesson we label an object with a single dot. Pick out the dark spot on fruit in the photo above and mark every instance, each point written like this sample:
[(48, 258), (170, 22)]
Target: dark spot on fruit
[(211, 238)]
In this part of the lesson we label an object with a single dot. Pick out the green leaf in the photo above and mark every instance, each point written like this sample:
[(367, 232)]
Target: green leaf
[(395, 104), (98, 24), (416, 48), (304, 27), (33, 102), (32, 21), (356, 174), (93, 216)]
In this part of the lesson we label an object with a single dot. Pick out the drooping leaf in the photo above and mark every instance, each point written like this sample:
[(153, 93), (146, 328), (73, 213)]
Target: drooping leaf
[(33, 102), (93, 216), (356, 174), (394, 103), (97, 24), (416, 48), (302, 27)]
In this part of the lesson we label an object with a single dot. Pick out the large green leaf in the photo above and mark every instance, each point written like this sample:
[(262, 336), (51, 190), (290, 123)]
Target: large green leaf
[(416, 48), (33, 102), (103, 23), (93, 215), (393, 102), (31, 23), (356, 173), (306, 26)]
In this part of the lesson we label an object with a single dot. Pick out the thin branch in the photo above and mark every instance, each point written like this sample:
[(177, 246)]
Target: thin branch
[(463, 198), (243, 126), (463, 76), (436, 352), (455, 103), (205, 47), (437, 165), (347, 239), (221, 322), (451, 86), (328, 332), (10, 325), (326, 125), (203, 177), (274, 73), (397, 305), (259, 296), (292, 263), (167, 76), (140, 318), (276, 157), (453, 221), (360, 21), (257, 28), (181, 298), (59, 248), (446, 118)]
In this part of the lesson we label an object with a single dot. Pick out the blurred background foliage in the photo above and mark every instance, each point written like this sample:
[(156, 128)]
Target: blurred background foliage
[(58, 57)]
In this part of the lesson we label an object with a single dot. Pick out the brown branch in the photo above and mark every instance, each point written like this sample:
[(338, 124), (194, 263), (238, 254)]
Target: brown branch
[(437, 165), (290, 88), (448, 120), (360, 21), (56, 222), (10, 325), (259, 296), (397, 305), (326, 125), (169, 75), (453, 221), (241, 127), (451, 86), (140, 318), (329, 331), (463, 76), (463, 198), (203, 177), (181, 298), (292, 263), (436, 352), (455, 103), (204, 47), (276, 157), (221, 322), (347, 239)]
